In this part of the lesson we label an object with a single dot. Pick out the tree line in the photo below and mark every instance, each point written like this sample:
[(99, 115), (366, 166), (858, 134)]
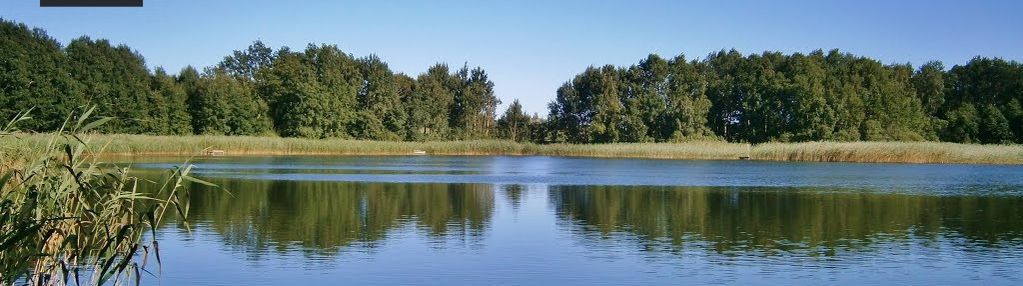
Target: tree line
[(318, 92), (322, 92), (789, 97)]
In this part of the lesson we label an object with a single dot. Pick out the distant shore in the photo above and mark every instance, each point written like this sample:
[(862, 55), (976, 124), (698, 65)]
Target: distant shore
[(873, 152)]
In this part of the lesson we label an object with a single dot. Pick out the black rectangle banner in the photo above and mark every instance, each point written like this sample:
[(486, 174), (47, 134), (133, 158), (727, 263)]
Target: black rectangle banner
[(90, 3)]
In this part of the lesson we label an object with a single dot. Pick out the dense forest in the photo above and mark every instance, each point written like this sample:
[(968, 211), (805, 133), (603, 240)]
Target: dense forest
[(798, 97), (323, 92), (318, 92)]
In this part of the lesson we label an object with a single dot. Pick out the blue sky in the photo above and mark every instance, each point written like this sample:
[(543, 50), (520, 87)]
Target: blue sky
[(529, 48)]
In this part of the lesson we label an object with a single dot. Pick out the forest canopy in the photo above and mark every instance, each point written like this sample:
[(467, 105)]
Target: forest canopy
[(323, 92), (772, 96), (318, 92)]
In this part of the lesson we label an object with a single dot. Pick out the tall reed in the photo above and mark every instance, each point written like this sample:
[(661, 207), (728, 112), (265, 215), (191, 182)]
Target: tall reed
[(65, 216)]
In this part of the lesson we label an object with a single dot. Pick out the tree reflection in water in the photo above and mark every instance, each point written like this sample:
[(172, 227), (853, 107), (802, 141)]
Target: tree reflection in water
[(772, 220), (323, 217)]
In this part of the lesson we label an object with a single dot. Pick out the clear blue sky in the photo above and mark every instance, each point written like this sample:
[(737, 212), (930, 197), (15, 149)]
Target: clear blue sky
[(532, 47)]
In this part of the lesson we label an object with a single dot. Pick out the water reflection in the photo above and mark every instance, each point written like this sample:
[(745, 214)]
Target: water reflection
[(544, 220), (514, 195), (323, 217), (924, 179), (784, 220)]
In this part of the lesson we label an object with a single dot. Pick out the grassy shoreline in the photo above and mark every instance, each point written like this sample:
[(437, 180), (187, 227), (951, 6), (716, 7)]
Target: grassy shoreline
[(876, 152)]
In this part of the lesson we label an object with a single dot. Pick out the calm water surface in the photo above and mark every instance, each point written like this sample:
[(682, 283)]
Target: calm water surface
[(571, 221)]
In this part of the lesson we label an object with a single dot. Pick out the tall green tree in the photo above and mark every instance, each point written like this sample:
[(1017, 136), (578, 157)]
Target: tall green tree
[(981, 83), (645, 96), (34, 74), (116, 80), (246, 63), (228, 105), (313, 92), (809, 110), (589, 108), (188, 78), (405, 87), (381, 116), (994, 128), (514, 124), (430, 103), (175, 104), (891, 104), (727, 93), (474, 105), (687, 104), (929, 81)]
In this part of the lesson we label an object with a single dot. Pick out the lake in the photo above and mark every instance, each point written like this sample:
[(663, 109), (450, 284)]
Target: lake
[(490, 220)]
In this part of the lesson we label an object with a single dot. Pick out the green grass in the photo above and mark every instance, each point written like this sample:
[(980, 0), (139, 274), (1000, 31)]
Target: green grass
[(889, 152)]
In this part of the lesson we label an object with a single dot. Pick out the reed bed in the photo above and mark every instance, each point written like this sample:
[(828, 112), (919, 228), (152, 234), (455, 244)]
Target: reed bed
[(880, 152), (135, 145), (889, 152), (699, 150)]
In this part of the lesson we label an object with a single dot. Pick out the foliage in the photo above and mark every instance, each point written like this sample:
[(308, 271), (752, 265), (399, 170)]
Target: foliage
[(381, 115), (319, 92), (323, 92), (227, 105), (474, 105), (34, 73), (514, 124), (65, 214)]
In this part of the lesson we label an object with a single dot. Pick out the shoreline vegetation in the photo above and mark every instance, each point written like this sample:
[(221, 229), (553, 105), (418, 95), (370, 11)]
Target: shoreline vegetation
[(67, 219), (862, 152), (725, 106), (323, 91)]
